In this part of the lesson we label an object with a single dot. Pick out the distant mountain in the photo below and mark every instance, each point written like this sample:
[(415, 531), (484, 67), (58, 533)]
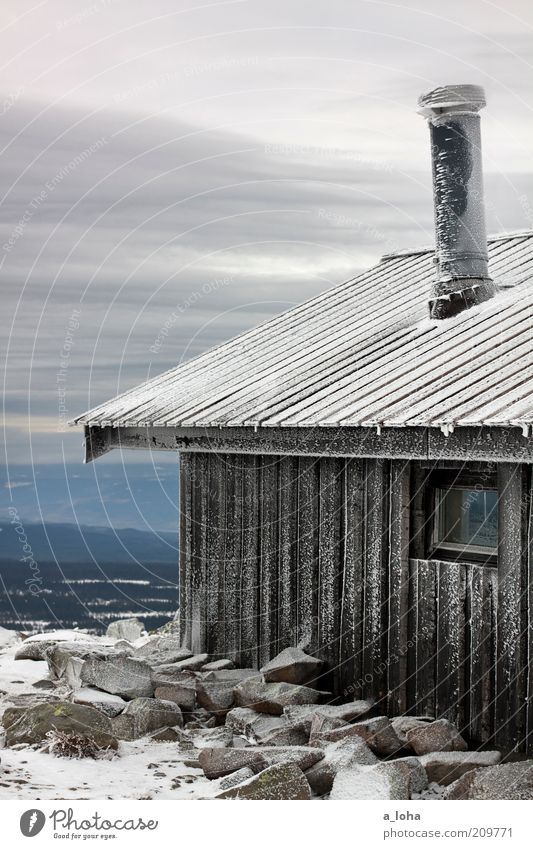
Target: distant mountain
[(68, 543), (101, 494), (85, 576)]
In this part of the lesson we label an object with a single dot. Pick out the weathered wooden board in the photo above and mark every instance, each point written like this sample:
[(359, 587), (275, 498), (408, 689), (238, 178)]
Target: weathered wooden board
[(375, 601), (398, 575), (288, 550), (249, 590), (232, 556), (450, 654), (268, 559), (308, 543), (512, 591), (215, 530), (482, 583), (351, 625), (424, 637), (329, 561), (185, 544), (200, 488)]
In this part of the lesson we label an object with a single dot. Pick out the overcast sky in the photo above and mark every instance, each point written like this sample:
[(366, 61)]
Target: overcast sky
[(192, 168)]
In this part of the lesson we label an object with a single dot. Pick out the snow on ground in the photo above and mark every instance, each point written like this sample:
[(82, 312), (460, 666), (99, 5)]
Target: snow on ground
[(143, 769)]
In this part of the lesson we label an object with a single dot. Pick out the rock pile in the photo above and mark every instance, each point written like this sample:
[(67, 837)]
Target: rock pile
[(267, 734)]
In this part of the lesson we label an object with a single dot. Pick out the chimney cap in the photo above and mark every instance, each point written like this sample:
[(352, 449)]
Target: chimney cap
[(452, 98)]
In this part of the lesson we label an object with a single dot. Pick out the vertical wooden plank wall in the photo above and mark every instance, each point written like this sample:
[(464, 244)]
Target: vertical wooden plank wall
[(278, 550)]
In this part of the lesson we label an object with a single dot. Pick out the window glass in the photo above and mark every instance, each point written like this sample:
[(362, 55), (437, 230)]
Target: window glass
[(467, 518)]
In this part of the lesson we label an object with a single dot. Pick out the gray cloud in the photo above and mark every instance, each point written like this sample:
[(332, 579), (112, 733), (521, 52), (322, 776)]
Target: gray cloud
[(271, 155)]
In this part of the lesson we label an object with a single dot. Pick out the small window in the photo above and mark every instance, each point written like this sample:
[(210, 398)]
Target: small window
[(465, 525)]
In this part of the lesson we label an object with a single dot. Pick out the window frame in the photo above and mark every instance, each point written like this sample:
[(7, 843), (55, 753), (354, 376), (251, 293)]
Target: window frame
[(480, 481)]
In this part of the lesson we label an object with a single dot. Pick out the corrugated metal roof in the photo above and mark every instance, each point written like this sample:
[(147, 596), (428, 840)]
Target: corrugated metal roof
[(361, 354)]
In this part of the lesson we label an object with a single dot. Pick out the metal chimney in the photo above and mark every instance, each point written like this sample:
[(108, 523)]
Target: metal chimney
[(461, 241)]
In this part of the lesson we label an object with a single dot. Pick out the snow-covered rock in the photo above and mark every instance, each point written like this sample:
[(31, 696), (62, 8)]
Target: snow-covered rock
[(36, 646), (217, 762), (438, 736), (303, 714), (447, 767), (162, 650), (197, 661), (256, 727), (292, 666), (181, 693), (506, 781), (215, 696), (217, 665), (403, 724), (344, 754), (377, 732), (280, 782), (122, 676), (381, 781), (126, 629), (272, 698), (8, 638), (59, 654), (104, 702)]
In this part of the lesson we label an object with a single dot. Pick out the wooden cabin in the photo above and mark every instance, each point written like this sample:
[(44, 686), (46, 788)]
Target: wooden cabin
[(355, 474)]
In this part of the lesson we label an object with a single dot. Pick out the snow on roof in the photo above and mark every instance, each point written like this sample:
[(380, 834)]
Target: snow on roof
[(364, 353)]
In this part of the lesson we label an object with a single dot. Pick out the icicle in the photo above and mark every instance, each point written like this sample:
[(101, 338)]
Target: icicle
[(526, 430), (378, 429)]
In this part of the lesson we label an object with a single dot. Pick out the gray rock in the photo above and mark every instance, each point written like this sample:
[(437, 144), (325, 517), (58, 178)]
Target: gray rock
[(217, 665), (280, 782), (167, 675), (414, 772), (256, 727), (403, 724), (447, 767), (182, 694), (303, 756), (225, 675), (126, 629), (378, 733), (235, 778), (72, 673), (217, 762), (211, 738), (273, 698), (438, 736), (197, 661), (322, 723), (215, 696), (58, 656), (44, 684), (162, 650), (104, 702), (381, 781), (122, 676), (286, 735), (173, 735), (292, 666), (31, 725), (344, 754), (303, 714), (123, 726), (35, 647), (150, 714), (507, 781)]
